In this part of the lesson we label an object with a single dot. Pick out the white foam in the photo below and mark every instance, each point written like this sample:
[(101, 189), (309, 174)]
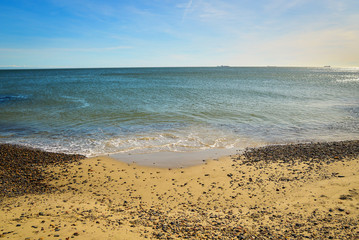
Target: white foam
[(347, 80), (82, 103), (186, 140)]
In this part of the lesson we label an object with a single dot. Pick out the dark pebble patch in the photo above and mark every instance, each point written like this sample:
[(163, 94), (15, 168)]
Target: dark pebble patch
[(312, 152), (22, 170)]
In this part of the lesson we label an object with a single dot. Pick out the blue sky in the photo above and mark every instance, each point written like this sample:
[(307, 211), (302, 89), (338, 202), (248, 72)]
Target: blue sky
[(138, 33)]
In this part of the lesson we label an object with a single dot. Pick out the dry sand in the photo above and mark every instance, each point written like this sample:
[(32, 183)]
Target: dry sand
[(228, 198)]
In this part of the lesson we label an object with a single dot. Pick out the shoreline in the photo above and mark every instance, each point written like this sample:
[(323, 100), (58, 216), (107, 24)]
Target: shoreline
[(173, 159), (294, 191)]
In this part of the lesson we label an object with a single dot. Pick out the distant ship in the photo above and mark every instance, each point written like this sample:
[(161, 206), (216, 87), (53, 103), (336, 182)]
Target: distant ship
[(327, 66), (223, 66)]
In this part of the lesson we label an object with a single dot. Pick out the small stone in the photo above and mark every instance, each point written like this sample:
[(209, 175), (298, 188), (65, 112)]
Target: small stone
[(345, 197)]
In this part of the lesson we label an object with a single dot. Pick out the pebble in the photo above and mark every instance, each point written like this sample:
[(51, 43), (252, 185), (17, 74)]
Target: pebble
[(313, 152), (210, 225), (22, 169)]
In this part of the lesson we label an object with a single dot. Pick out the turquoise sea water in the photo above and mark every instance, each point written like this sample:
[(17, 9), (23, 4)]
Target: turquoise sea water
[(147, 110)]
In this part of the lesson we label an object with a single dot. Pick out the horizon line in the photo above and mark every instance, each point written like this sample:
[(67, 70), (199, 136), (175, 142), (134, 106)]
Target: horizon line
[(217, 66)]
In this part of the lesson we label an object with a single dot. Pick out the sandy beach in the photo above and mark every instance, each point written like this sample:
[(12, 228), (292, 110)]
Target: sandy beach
[(303, 191)]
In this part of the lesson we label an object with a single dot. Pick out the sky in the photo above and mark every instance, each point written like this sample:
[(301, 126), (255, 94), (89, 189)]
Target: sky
[(165, 33)]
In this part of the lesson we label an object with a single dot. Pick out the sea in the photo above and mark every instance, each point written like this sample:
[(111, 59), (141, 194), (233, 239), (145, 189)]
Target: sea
[(134, 111)]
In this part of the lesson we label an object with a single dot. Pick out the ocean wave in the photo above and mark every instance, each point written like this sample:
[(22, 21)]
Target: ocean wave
[(81, 103), (93, 112), (10, 98), (185, 140)]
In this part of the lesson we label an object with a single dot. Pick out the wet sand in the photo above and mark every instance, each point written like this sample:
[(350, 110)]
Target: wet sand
[(291, 191)]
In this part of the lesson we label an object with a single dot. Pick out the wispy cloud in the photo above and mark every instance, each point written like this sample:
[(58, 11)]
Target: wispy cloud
[(32, 66), (237, 32), (207, 11), (65, 49), (280, 6), (94, 49), (13, 66), (186, 10)]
